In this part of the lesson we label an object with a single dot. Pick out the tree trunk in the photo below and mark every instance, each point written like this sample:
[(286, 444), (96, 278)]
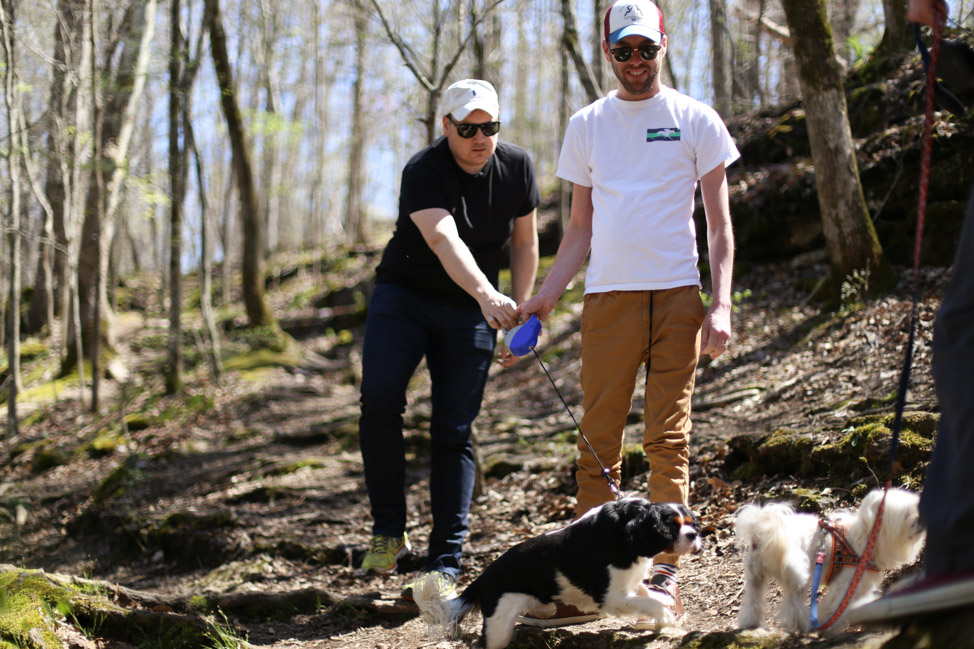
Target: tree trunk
[(177, 188), (51, 279), (843, 24), (95, 216), (570, 41), (599, 7), (206, 267), (721, 65), (354, 217), (251, 263), (849, 233), (270, 177), (898, 34), (13, 233)]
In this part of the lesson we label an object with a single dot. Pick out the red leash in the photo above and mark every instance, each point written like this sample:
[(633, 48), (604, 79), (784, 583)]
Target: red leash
[(926, 154)]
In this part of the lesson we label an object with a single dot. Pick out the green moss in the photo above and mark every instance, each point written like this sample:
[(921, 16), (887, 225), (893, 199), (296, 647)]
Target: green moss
[(48, 456), (137, 421), (747, 639), (105, 442), (293, 467), (28, 603), (499, 467), (633, 461), (122, 477)]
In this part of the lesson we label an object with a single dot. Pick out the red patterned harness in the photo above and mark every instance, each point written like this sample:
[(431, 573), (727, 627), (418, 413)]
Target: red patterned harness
[(843, 555)]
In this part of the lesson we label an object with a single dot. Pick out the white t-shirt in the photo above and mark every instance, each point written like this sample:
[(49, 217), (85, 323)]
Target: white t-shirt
[(642, 160)]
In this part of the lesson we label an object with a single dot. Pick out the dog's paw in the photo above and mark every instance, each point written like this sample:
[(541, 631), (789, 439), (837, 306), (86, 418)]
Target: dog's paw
[(663, 598)]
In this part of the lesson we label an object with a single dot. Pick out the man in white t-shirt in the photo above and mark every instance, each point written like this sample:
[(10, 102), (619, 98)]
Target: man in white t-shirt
[(634, 159)]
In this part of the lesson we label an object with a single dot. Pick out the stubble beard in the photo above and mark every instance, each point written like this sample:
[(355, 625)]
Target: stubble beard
[(640, 88)]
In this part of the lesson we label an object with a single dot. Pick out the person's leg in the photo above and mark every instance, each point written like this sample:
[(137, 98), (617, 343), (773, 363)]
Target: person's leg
[(677, 315), (459, 358), (395, 341), (615, 340), (947, 501)]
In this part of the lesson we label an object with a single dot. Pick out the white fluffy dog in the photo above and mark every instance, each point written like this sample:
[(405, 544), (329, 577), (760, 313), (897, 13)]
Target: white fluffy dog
[(780, 544)]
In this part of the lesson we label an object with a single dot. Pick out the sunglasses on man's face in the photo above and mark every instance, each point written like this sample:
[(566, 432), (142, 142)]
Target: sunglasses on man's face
[(624, 53), (467, 131)]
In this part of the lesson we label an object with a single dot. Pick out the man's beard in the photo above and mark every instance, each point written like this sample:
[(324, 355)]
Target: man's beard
[(634, 88)]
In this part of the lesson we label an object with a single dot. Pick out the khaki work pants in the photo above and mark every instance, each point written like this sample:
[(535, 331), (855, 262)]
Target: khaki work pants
[(621, 330)]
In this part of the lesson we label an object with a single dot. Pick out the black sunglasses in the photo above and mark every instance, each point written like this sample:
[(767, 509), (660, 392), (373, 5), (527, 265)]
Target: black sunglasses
[(467, 131), (624, 53)]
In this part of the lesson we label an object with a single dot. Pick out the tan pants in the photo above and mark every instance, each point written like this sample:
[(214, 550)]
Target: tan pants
[(621, 330)]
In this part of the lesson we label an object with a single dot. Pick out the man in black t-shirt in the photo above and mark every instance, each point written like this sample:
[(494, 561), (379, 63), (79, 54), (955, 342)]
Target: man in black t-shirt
[(461, 199)]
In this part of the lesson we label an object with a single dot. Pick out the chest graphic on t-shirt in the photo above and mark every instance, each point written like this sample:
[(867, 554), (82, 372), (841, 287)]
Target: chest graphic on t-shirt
[(670, 134)]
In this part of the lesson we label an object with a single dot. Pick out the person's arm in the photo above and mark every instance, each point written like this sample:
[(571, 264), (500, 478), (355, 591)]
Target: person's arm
[(716, 329), (572, 252), (440, 232), (921, 11), (524, 269), (524, 256)]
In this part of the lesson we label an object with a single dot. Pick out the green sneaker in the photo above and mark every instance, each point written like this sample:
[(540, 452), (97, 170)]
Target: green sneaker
[(384, 552), (446, 586)]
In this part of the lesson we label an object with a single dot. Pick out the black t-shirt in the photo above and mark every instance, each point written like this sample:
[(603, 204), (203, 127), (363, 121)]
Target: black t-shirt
[(483, 205)]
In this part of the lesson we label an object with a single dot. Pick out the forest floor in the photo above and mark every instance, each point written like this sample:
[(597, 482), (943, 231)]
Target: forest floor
[(252, 490)]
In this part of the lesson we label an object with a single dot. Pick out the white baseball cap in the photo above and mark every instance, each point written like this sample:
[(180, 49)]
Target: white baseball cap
[(464, 97), (633, 18)]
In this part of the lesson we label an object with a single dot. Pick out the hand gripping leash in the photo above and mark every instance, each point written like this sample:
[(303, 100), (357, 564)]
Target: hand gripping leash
[(930, 64), (523, 339)]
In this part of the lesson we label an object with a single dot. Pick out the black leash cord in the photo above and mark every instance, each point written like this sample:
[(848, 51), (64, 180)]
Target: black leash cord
[(613, 487)]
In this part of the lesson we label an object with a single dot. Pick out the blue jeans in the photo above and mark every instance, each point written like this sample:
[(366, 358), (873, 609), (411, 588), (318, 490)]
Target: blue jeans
[(402, 327)]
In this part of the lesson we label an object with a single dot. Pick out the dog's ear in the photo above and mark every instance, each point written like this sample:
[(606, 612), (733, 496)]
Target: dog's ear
[(650, 530)]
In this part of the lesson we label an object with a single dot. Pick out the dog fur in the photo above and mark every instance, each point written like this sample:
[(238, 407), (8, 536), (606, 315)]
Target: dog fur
[(780, 544), (597, 563)]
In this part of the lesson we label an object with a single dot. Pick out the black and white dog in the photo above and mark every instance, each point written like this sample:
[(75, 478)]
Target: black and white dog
[(597, 563)]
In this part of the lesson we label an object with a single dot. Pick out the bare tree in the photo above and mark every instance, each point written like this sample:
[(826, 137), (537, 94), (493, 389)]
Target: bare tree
[(898, 35), (177, 189), (51, 280), (849, 233), (13, 217), (429, 74), (252, 286), (354, 216), (721, 62), (571, 42)]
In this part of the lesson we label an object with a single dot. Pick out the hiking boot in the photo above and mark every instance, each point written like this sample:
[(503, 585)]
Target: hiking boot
[(383, 553), (445, 585), (564, 615)]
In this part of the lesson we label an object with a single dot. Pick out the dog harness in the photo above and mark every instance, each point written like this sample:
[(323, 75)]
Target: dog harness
[(842, 553), (842, 556)]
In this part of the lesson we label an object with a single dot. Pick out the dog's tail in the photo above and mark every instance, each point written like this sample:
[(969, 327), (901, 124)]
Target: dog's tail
[(764, 529), (441, 615)]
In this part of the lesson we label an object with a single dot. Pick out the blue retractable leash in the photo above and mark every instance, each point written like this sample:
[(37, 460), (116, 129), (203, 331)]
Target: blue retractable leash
[(523, 339)]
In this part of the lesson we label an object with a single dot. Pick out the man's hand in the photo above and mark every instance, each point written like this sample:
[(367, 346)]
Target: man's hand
[(499, 311), (716, 331), (539, 304), (506, 358), (921, 11)]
